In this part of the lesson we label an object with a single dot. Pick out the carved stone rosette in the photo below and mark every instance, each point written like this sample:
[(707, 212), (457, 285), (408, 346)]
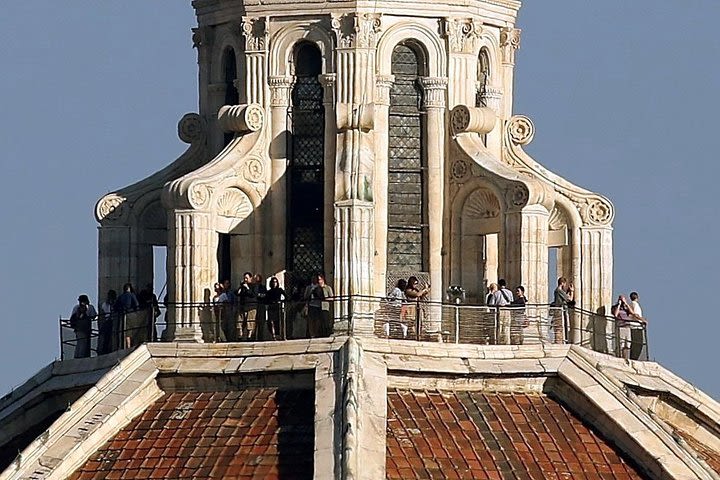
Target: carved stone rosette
[(191, 128), (520, 130), (462, 34), (509, 43)]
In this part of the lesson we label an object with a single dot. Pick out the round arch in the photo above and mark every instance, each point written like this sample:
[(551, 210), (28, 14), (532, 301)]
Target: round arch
[(225, 42), (283, 48), (420, 35)]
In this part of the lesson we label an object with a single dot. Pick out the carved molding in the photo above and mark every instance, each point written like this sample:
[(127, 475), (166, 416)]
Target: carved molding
[(327, 80), (255, 32), (191, 128), (462, 34), (509, 43), (435, 89)]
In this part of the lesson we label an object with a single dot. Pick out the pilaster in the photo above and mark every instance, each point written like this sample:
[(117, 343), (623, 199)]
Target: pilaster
[(254, 30), (526, 251), (114, 258), (435, 90), (383, 84), (509, 43), (595, 289), (328, 82), (462, 35)]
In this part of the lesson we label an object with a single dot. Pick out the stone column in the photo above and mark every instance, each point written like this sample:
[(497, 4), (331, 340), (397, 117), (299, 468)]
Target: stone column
[(382, 110), (191, 267), (434, 95), (328, 83), (216, 98), (526, 251), (254, 30), (280, 88)]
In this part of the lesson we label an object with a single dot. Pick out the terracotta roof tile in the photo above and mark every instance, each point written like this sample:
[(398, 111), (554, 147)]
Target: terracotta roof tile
[(253, 433), (442, 435)]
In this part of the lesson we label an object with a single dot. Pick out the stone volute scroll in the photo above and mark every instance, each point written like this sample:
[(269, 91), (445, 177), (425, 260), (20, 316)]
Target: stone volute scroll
[(241, 118), (480, 120)]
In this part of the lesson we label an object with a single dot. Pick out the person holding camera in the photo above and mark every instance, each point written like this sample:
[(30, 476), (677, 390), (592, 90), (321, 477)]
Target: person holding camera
[(81, 322)]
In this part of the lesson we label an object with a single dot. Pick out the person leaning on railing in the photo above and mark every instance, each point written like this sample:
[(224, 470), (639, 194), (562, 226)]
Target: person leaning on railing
[(320, 323)]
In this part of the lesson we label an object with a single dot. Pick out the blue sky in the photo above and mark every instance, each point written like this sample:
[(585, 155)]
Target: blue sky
[(623, 96)]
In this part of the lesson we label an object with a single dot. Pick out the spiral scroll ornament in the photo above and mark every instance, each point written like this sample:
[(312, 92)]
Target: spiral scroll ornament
[(199, 195), (190, 128), (112, 207), (521, 130)]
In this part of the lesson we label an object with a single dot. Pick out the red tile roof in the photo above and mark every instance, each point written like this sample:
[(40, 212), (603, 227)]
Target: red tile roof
[(252, 433), (443, 435)]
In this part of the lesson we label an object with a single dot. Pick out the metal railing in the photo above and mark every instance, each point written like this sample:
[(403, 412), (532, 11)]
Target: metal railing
[(359, 316)]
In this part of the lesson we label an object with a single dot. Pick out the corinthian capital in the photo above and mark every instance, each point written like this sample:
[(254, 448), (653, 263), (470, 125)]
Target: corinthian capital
[(461, 34), (509, 42), (356, 30), (255, 32), (280, 91)]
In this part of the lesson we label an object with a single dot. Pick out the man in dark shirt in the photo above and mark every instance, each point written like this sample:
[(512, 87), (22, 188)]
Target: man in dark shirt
[(131, 321)]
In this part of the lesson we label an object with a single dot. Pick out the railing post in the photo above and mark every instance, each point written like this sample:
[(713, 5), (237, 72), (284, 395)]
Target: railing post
[(496, 325), (418, 324), (457, 323)]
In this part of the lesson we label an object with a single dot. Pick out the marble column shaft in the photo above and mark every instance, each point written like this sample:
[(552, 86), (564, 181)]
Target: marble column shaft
[(526, 252)]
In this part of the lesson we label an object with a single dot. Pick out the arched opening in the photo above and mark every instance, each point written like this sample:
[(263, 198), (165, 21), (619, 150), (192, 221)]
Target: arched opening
[(231, 93), (480, 226), (407, 231), (306, 169)]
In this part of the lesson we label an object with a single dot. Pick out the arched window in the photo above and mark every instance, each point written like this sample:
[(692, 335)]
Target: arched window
[(407, 240), (483, 78), (231, 93), (306, 169)]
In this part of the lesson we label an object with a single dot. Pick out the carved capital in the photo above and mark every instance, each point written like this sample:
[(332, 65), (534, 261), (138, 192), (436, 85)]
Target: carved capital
[(461, 33), (489, 97), (434, 89), (509, 42), (280, 91), (383, 84), (191, 128), (254, 29), (327, 80), (356, 30)]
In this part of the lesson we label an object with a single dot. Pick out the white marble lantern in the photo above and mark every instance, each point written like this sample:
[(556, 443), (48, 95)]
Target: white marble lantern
[(366, 140)]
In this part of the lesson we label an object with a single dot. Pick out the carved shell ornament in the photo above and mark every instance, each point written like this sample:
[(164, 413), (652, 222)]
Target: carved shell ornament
[(521, 130), (112, 207), (190, 128), (234, 203), (481, 204)]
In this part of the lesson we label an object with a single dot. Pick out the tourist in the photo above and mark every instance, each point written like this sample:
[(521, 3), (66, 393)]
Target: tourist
[(131, 320), (274, 299), (148, 304), (81, 322), (490, 296), (563, 297), (320, 322), (247, 304), (107, 325), (415, 311), (623, 314), (217, 313), (638, 335), (519, 316), (396, 309), (228, 314), (260, 291), (503, 298)]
